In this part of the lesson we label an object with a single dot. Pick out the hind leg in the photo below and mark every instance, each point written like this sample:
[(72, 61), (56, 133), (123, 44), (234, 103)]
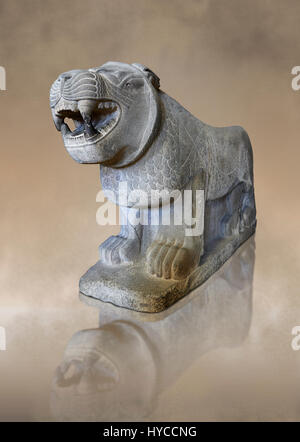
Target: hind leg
[(230, 222), (240, 211), (248, 209)]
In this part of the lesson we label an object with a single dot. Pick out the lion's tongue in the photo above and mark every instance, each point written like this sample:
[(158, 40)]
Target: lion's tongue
[(88, 125), (89, 129)]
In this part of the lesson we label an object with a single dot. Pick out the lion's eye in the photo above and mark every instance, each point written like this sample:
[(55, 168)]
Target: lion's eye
[(134, 83)]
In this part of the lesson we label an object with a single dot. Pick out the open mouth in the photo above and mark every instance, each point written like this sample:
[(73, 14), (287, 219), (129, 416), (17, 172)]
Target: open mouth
[(96, 123), (102, 372)]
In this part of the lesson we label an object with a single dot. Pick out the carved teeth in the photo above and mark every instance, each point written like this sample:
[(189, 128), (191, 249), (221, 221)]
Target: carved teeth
[(63, 105), (89, 124), (106, 105)]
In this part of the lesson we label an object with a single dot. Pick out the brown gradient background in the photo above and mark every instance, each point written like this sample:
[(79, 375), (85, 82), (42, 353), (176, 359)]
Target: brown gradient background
[(228, 62)]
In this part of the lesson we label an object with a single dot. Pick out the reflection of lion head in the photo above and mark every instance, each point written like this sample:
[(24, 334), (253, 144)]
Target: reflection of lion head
[(114, 109), (105, 373)]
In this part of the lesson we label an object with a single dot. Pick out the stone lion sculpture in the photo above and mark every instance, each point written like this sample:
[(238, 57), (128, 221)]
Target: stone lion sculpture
[(142, 137)]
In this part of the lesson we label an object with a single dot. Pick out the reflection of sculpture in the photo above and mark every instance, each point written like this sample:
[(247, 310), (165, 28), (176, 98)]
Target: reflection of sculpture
[(145, 139), (118, 370)]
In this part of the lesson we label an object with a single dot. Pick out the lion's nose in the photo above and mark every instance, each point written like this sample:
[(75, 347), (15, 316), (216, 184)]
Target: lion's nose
[(59, 86), (65, 76), (67, 80), (81, 85), (77, 85)]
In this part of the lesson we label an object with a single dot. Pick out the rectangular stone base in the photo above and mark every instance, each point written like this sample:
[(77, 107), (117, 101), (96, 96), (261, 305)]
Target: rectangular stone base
[(130, 286)]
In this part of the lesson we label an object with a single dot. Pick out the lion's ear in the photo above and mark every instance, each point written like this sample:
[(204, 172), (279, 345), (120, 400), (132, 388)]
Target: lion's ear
[(149, 74)]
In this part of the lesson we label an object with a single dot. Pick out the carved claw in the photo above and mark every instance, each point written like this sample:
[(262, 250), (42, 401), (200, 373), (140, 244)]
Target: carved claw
[(118, 249), (173, 259)]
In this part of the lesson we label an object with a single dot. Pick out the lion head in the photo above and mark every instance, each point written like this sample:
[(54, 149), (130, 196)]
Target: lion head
[(114, 108), (106, 373)]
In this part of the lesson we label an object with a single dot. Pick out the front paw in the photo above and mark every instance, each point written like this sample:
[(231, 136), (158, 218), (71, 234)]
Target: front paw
[(118, 249), (172, 258)]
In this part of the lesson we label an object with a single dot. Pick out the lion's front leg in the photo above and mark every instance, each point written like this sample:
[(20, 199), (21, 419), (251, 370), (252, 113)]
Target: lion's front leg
[(177, 249), (173, 258), (124, 247)]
